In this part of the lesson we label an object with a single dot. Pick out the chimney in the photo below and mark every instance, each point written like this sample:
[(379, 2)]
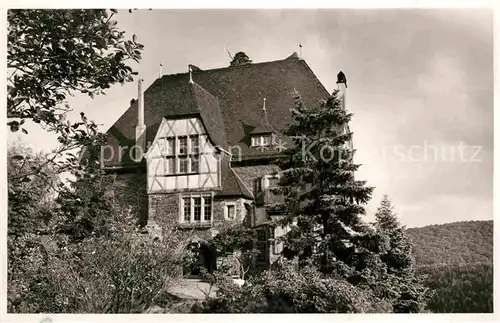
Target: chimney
[(140, 129), (342, 87)]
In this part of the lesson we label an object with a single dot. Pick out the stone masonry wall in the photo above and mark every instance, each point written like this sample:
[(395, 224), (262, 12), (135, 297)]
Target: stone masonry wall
[(128, 192), (164, 209)]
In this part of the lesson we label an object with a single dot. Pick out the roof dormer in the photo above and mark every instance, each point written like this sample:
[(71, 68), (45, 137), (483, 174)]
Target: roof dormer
[(264, 133)]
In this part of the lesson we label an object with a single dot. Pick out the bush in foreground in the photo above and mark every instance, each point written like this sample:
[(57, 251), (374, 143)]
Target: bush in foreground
[(288, 289), (122, 274)]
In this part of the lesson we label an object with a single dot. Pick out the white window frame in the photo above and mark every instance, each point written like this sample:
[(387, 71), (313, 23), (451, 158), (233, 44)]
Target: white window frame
[(175, 156), (179, 158), (226, 211), (202, 206), (259, 140), (255, 141), (264, 141)]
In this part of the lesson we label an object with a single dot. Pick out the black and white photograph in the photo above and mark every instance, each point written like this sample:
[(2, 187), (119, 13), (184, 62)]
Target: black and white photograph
[(224, 160)]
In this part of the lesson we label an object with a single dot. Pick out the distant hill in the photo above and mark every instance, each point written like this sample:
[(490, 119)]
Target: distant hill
[(455, 260), (468, 242)]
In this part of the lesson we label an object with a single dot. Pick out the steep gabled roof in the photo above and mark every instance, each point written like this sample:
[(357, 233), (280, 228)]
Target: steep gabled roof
[(209, 110), (264, 126), (229, 101), (232, 185)]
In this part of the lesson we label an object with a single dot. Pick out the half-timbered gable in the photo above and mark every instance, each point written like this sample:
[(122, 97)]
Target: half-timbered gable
[(182, 157)]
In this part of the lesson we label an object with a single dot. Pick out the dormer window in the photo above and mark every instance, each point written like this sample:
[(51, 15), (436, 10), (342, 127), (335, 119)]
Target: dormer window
[(263, 134), (261, 140)]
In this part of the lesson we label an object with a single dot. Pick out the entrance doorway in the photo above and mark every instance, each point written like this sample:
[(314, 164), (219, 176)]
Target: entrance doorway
[(205, 260)]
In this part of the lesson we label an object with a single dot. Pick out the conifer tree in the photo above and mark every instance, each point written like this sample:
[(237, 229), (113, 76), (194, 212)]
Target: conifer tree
[(399, 261), (398, 256), (323, 200)]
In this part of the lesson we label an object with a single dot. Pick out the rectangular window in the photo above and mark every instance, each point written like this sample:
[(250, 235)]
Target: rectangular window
[(195, 145), (180, 162), (266, 140), (187, 209), (195, 164), (261, 235), (183, 165), (197, 209), (170, 165), (256, 141), (207, 209), (261, 245), (171, 146), (183, 146), (231, 211)]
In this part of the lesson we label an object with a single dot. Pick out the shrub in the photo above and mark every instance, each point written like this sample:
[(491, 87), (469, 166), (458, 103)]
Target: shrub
[(288, 289), (122, 273)]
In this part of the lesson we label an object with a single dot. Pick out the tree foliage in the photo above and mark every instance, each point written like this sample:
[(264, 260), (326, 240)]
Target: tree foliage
[(65, 241), (397, 256), (323, 200), (71, 266), (85, 205), (240, 59), (53, 54), (51, 274), (465, 288), (290, 289), (234, 242), (453, 243), (455, 260), (30, 197)]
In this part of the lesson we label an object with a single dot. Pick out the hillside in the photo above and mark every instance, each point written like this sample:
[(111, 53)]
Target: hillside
[(455, 260), (468, 242)]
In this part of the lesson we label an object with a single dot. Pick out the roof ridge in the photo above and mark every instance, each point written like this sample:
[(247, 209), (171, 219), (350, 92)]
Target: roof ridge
[(287, 59)]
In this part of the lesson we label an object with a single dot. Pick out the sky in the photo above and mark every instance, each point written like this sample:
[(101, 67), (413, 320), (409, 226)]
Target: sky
[(420, 87)]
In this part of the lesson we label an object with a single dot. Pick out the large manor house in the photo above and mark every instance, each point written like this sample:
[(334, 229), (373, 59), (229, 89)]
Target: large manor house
[(196, 149)]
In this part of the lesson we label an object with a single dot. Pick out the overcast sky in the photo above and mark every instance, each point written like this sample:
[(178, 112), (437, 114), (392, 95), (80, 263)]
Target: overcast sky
[(420, 86)]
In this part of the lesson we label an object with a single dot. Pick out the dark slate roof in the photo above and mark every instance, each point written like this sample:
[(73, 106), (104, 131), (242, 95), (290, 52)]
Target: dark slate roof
[(264, 125), (229, 101), (231, 184)]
